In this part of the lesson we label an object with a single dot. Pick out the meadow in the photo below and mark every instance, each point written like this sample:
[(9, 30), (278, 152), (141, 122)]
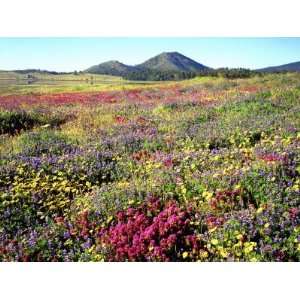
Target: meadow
[(205, 169)]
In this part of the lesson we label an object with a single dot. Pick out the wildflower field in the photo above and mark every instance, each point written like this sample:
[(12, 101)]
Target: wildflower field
[(205, 169)]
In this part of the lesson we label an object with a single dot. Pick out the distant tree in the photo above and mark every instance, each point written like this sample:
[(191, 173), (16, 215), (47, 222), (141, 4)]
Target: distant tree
[(235, 73)]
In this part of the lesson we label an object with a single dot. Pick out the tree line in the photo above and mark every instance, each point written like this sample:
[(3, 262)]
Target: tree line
[(156, 75)]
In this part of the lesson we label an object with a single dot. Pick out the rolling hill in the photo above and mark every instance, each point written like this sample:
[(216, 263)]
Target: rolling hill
[(112, 67), (291, 67)]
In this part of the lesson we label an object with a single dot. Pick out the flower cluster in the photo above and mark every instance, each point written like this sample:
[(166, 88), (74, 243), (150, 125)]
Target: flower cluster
[(152, 232)]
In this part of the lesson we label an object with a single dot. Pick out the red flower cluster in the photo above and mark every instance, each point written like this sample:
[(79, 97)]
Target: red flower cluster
[(273, 157), (249, 89), (83, 226), (141, 155), (120, 119), (168, 162), (294, 212), (225, 200), (152, 232)]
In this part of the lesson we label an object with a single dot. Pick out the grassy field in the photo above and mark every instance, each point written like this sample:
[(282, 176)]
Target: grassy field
[(198, 170), (10, 75), (12, 83), (37, 82)]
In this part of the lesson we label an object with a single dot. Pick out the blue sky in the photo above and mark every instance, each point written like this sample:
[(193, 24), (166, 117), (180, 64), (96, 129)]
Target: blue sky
[(69, 54)]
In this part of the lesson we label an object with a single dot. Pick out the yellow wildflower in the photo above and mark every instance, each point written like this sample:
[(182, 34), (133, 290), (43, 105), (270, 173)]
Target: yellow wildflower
[(207, 195), (214, 242), (203, 254), (260, 210), (248, 247)]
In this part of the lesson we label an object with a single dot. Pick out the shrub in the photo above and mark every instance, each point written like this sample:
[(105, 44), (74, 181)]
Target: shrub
[(15, 121)]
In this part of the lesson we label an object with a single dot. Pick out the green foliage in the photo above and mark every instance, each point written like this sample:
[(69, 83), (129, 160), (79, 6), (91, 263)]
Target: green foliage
[(44, 141), (13, 122), (157, 75), (236, 73)]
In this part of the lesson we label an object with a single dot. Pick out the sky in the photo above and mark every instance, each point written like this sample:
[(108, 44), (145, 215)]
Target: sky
[(70, 54)]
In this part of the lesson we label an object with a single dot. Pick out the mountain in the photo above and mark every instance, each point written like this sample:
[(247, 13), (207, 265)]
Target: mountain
[(164, 62), (292, 67), (172, 61), (112, 67)]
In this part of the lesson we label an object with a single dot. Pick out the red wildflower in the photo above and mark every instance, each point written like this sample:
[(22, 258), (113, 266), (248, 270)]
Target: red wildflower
[(120, 119)]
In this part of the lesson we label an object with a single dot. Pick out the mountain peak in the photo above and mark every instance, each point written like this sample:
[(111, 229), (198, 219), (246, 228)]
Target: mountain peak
[(172, 61), (170, 53), (113, 62)]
